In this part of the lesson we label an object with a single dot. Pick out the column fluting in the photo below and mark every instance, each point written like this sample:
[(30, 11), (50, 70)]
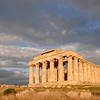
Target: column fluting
[(31, 75), (44, 72), (75, 68), (37, 74), (70, 69), (60, 69), (52, 72), (80, 71), (85, 72)]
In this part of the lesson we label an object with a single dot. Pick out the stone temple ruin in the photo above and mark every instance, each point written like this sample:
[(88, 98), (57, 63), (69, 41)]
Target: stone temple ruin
[(62, 68)]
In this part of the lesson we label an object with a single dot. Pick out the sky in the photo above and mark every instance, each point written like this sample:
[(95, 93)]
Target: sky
[(27, 27)]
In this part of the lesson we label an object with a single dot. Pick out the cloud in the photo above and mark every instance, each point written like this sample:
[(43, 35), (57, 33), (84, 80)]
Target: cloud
[(29, 26), (16, 56), (13, 77), (50, 23), (89, 52), (18, 52), (42, 23)]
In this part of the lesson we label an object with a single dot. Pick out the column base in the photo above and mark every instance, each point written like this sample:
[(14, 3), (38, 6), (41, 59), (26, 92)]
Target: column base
[(30, 85)]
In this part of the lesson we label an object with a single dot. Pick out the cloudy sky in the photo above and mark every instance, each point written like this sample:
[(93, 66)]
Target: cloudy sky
[(28, 27)]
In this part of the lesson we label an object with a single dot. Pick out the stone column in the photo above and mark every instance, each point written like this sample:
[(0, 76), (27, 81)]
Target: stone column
[(80, 71), (55, 68), (31, 75), (37, 74), (85, 72), (99, 73), (89, 72), (92, 74), (95, 73), (70, 69), (49, 74), (44, 72), (75, 68), (52, 72), (60, 70)]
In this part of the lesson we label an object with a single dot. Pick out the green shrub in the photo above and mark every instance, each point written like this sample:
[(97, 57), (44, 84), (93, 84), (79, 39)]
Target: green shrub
[(9, 91)]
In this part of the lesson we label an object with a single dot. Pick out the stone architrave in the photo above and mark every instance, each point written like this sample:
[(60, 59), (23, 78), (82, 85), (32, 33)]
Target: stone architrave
[(44, 72), (75, 68), (60, 70), (31, 75), (37, 74), (70, 69)]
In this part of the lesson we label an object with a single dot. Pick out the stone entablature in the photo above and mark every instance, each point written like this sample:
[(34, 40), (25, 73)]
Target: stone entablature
[(56, 54), (62, 67), (52, 51)]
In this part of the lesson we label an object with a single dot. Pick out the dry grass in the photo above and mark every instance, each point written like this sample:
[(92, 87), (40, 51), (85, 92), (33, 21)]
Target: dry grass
[(17, 88), (44, 96), (24, 93)]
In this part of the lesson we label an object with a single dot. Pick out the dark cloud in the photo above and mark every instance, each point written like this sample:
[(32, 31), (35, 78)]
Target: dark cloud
[(43, 22), (15, 56), (13, 77), (28, 26)]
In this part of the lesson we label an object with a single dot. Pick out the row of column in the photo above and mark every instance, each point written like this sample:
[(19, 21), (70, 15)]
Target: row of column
[(85, 72), (77, 70)]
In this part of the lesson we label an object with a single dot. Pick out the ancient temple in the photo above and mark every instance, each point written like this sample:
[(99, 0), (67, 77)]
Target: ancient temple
[(62, 68)]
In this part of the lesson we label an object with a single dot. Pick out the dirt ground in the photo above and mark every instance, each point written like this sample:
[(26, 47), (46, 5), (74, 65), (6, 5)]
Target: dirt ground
[(40, 93)]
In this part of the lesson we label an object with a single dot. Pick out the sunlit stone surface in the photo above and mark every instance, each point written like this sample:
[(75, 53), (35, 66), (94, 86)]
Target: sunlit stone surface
[(62, 68)]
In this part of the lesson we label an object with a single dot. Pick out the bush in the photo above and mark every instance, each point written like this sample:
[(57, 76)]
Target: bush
[(9, 91)]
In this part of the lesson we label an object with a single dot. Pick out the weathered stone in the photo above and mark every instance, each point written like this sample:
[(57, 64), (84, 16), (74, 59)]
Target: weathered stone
[(85, 94), (78, 70), (73, 94)]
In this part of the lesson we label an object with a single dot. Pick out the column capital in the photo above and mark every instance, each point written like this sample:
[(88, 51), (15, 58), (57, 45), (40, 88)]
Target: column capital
[(37, 63), (81, 60), (60, 57), (44, 62), (87, 63), (76, 58), (84, 63), (31, 64), (51, 60), (70, 56)]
